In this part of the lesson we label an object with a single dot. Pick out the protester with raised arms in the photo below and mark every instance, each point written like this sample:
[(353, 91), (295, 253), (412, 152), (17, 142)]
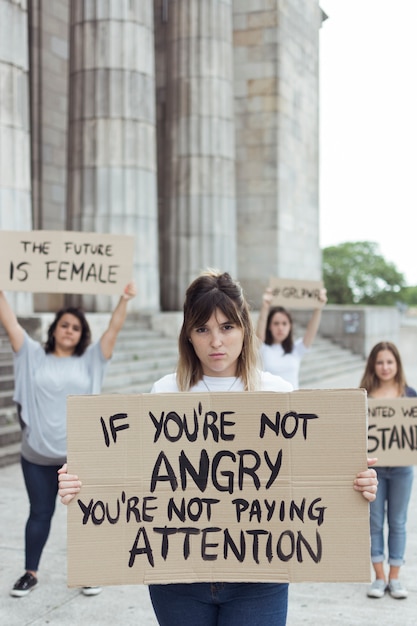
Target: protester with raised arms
[(280, 353), (218, 352), (44, 376)]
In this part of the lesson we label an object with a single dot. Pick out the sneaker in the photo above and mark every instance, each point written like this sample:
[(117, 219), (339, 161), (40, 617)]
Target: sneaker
[(91, 591), (377, 589), (24, 585), (396, 589)]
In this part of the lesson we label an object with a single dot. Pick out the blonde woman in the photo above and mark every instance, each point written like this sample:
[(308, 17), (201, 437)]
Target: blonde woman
[(218, 352)]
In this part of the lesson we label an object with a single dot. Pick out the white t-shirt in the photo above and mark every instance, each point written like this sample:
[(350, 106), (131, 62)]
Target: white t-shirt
[(287, 366), (269, 382)]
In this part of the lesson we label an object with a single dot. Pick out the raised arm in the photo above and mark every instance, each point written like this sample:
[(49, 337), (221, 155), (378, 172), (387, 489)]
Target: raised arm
[(108, 339), (263, 314), (13, 329), (314, 323)]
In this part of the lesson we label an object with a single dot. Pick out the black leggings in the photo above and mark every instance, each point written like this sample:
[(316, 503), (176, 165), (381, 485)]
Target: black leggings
[(42, 487)]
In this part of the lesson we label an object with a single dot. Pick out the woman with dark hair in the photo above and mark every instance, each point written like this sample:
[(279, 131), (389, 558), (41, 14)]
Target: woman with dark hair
[(218, 352), (280, 353), (384, 378), (44, 376), (85, 338)]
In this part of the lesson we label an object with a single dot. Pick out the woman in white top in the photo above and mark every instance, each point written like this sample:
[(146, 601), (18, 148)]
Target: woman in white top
[(218, 352), (280, 353)]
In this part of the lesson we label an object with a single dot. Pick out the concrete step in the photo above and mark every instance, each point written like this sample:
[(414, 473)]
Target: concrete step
[(138, 376), (151, 362), (5, 350), (137, 387), (8, 414), (6, 369), (6, 381), (135, 352), (6, 398), (10, 434), (327, 360), (10, 454)]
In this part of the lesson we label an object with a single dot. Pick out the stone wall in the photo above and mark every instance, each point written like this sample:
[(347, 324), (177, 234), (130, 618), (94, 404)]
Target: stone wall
[(357, 328)]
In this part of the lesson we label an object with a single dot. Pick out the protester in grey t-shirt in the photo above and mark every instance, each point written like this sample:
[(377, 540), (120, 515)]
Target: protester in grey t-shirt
[(44, 376)]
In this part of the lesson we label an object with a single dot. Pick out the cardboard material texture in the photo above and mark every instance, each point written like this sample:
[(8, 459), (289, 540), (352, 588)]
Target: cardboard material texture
[(46, 261), (392, 430), (248, 486), (296, 294)]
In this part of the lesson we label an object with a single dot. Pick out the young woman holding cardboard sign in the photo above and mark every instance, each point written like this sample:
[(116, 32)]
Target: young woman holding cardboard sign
[(218, 352), (280, 354), (384, 378), (44, 377)]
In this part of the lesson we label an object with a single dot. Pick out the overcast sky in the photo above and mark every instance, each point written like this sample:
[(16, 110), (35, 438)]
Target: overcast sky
[(368, 118)]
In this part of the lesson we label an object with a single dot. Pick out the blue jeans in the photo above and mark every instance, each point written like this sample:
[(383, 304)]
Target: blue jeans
[(42, 487), (393, 496), (220, 604)]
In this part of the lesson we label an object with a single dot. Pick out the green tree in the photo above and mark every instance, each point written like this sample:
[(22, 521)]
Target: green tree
[(409, 296), (356, 273)]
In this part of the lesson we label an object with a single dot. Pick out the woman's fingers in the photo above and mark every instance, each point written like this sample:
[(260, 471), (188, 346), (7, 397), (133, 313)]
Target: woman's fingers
[(68, 485), (367, 483)]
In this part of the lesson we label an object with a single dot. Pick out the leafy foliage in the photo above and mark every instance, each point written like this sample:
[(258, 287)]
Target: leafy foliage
[(409, 296), (356, 273)]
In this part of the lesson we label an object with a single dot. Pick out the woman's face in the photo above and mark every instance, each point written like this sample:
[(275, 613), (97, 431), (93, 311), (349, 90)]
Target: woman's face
[(67, 333), (385, 366), (279, 327), (218, 344)]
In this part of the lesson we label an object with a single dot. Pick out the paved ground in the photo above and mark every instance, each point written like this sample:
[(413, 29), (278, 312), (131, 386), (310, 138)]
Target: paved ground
[(53, 603)]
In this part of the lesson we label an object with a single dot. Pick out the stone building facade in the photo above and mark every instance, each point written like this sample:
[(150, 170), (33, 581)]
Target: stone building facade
[(192, 124)]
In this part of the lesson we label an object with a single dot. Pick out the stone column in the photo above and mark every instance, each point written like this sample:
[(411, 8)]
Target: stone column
[(15, 188), (276, 105), (112, 145), (48, 40), (196, 154)]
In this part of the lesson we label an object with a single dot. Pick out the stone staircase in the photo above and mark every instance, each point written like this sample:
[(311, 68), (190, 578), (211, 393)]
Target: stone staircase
[(143, 355), (327, 365), (140, 358), (9, 427)]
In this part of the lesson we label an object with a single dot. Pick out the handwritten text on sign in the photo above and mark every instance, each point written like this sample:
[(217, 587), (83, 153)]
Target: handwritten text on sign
[(237, 486), (65, 262), (296, 294), (392, 430)]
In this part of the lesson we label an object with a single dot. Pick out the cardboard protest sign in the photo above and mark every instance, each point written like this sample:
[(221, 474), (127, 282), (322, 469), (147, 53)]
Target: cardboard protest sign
[(47, 261), (296, 294), (392, 430), (248, 486)]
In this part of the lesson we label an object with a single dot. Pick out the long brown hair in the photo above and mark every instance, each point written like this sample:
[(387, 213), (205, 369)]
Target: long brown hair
[(370, 380), (210, 291), (288, 343)]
